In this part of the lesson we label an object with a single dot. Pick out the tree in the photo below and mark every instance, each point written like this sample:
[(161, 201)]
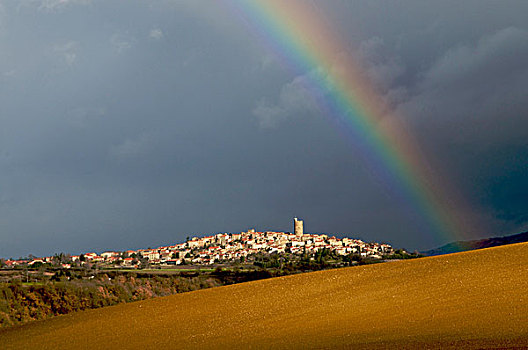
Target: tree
[(37, 265)]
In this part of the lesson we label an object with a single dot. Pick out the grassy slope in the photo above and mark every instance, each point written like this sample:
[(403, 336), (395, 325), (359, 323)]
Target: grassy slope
[(476, 299)]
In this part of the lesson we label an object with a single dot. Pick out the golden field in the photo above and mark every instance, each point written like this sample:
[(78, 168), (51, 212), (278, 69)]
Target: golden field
[(474, 299)]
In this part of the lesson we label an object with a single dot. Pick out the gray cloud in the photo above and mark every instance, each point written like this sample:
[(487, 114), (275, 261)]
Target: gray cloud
[(381, 66), (297, 98), (114, 136), (481, 86), (130, 148), (294, 100), (470, 109), (56, 5), (122, 42), (156, 34), (67, 52)]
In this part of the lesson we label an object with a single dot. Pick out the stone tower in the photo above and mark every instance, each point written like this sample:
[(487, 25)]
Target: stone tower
[(298, 227)]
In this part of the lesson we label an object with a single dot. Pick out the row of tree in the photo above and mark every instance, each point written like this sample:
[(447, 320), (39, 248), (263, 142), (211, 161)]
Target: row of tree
[(20, 303)]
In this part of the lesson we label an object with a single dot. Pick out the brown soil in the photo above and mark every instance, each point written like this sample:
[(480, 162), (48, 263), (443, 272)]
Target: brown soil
[(474, 299)]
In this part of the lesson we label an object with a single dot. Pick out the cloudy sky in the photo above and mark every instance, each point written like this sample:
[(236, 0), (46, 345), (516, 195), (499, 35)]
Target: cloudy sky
[(133, 124)]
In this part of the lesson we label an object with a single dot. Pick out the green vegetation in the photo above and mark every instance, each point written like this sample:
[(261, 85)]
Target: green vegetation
[(323, 259), (400, 254)]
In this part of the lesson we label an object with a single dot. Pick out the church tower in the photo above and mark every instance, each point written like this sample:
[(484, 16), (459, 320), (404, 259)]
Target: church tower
[(298, 227)]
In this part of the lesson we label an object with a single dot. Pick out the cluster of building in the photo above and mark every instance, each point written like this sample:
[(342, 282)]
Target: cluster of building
[(229, 247)]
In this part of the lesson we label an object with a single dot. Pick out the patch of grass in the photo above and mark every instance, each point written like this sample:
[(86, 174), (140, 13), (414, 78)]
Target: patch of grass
[(32, 283)]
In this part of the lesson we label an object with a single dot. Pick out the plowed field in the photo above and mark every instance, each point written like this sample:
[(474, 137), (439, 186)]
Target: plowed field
[(475, 299)]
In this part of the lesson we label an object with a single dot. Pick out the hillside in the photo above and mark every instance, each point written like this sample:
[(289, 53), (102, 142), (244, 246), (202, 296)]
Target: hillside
[(471, 299), (461, 246)]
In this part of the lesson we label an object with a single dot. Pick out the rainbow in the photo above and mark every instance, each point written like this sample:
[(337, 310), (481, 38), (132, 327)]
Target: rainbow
[(298, 33)]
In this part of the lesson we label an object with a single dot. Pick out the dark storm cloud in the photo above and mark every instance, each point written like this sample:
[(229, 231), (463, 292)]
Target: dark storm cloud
[(130, 124), (472, 103)]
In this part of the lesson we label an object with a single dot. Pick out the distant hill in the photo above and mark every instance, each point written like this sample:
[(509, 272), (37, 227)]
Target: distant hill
[(462, 246), (470, 300)]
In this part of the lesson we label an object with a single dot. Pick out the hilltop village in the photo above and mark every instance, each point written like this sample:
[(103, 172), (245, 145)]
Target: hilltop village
[(222, 248)]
